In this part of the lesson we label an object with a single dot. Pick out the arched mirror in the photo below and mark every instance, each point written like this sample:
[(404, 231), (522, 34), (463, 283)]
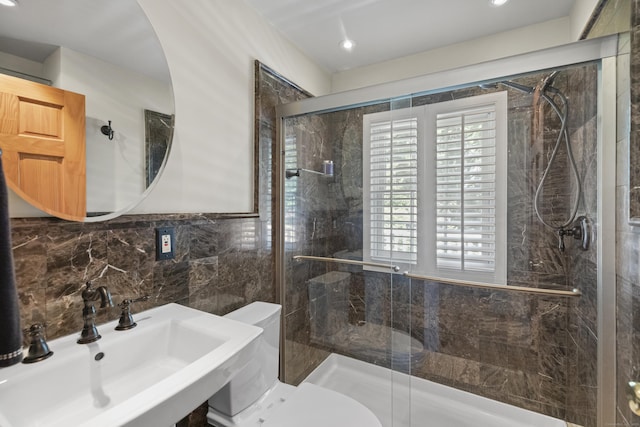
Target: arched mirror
[(105, 56)]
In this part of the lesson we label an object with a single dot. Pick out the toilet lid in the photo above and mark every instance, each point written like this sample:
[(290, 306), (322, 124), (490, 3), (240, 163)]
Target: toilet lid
[(314, 406)]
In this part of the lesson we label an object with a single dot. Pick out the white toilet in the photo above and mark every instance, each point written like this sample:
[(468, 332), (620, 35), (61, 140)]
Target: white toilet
[(255, 397)]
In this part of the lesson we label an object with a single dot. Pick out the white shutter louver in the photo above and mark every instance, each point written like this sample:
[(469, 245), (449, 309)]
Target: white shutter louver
[(393, 188), (434, 188), (466, 189), (290, 192)]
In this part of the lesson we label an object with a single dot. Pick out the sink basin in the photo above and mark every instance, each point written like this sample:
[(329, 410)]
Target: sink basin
[(151, 375)]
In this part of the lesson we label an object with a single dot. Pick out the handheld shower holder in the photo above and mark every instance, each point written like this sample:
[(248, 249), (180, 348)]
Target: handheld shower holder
[(327, 170)]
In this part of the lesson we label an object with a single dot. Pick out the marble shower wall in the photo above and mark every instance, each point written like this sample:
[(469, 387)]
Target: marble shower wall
[(525, 350), (628, 234)]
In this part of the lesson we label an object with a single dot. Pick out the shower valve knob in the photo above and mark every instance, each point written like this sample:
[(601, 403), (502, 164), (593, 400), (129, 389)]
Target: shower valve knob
[(580, 231), (574, 232)]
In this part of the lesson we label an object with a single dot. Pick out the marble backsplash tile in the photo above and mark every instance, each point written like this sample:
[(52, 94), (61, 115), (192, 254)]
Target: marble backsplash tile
[(211, 271)]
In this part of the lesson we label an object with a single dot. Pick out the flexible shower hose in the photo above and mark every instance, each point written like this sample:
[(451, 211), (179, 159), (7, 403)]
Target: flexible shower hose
[(563, 136)]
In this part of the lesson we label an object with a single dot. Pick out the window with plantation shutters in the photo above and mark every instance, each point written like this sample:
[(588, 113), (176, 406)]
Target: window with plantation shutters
[(392, 175), (466, 189), (290, 191), (435, 188)]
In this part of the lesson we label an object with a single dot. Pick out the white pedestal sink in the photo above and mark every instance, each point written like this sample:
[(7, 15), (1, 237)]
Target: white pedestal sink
[(151, 375)]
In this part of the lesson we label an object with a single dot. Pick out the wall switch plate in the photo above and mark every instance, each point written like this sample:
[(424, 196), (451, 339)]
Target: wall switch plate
[(165, 243)]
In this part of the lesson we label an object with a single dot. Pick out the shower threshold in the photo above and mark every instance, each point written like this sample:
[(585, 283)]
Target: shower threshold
[(401, 400)]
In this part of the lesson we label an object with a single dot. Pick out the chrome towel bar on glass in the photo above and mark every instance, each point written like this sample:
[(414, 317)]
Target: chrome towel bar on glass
[(524, 289), (395, 268), (346, 261)]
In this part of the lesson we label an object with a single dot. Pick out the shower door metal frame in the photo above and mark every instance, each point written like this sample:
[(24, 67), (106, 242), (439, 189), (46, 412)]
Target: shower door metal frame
[(607, 141), (605, 49)]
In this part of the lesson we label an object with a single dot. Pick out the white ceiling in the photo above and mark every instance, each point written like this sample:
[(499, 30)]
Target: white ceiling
[(388, 29), (119, 32)]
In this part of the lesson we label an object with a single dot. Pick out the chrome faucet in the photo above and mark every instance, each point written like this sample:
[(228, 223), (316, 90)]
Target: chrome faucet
[(89, 331)]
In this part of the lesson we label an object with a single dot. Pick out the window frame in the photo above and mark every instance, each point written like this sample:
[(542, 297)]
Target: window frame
[(387, 116), (426, 219)]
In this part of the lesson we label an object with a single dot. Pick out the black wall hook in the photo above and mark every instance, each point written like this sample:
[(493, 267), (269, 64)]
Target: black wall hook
[(107, 130)]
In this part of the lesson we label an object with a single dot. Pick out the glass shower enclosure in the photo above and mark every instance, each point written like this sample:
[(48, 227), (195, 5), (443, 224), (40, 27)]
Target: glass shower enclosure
[(419, 241)]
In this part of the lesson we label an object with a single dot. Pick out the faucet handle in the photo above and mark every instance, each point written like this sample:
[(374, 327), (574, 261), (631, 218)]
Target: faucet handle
[(127, 302), (126, 319), (38, 348), (36, 328)]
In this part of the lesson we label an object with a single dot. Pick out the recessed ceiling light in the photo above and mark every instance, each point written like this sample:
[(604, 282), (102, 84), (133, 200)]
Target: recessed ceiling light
[(497, 2), (8, 2), (347, 44)]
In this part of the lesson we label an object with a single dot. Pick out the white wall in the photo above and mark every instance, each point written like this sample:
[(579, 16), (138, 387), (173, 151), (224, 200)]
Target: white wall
[(580, 15), (521, 40), (210, 47)]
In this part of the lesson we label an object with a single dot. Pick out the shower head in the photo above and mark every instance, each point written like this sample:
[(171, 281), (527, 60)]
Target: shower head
[(488, 85), (548, 81), (522, 88)]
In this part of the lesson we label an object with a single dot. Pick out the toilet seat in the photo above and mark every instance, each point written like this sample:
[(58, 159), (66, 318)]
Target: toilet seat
[(314, 406), (307, 405)]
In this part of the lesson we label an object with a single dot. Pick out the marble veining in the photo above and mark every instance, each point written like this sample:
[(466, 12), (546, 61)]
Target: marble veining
[(54, 259)]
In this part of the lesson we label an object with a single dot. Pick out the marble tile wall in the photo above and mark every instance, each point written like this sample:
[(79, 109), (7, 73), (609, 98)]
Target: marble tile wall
[(634, 155), (520, 349), (220, 264), (628, 234)]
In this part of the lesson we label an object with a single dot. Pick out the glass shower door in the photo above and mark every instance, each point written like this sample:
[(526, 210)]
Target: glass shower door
[(489, 307), (347, 314)]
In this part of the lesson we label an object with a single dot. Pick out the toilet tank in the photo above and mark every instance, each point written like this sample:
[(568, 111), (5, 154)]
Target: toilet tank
[(262, 372)]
